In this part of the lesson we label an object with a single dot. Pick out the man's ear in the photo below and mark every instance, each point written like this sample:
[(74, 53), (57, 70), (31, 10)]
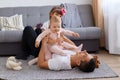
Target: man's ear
[(78, 62), (85, 53)]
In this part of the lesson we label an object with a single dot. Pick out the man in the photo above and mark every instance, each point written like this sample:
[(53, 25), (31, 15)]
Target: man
[(82, 60)]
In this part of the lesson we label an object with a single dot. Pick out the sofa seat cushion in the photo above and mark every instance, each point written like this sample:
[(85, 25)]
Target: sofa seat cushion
[(11, 36), (86, 33)]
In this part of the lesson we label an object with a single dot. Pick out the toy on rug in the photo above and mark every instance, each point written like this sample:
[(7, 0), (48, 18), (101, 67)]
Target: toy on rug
[(97, 62), (12, 63)]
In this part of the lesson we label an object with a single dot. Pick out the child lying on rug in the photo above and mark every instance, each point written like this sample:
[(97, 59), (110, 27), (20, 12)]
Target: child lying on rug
[(55, 43)]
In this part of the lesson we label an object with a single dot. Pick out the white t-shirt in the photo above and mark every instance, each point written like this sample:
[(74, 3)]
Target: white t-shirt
[(59, 62)]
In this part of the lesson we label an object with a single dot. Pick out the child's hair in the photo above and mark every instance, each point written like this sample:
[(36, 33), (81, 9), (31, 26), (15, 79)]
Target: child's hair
[(56, 9), (87, 66), (55, 19)]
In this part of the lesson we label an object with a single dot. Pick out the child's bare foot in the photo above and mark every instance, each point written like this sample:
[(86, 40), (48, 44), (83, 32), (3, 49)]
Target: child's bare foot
[(79, 49)]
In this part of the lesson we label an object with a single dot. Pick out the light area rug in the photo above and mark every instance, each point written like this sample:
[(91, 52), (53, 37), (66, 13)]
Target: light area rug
[(35, 73)]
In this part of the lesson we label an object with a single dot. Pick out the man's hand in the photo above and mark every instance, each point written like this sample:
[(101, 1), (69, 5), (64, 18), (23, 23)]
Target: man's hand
[(45, 40), (59, 41), (75, 35)]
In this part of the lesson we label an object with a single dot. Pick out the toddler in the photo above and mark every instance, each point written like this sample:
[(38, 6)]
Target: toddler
[(55, 43)]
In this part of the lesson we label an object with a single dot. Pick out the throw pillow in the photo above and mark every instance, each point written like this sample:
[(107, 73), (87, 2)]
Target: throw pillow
[(72, 18), (11, 23)]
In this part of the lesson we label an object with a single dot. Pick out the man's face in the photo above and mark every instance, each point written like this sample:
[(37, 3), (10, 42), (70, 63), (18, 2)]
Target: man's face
[(85, 56)]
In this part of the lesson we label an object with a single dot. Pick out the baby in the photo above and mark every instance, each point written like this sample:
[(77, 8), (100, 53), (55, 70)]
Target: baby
[(55, 43)]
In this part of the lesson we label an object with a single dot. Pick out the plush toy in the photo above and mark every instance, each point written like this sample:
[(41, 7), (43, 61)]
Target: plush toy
[(97, 62), (12, 63)]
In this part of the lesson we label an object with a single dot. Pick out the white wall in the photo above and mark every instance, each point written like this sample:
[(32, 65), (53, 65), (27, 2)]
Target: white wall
[(15, 3)]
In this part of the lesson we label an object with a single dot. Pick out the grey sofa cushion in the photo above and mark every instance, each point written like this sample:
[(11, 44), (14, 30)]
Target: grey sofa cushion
[(11, 36), (86, 33)]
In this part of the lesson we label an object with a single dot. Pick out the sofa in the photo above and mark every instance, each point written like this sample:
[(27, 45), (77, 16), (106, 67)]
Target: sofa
[(10, 41)]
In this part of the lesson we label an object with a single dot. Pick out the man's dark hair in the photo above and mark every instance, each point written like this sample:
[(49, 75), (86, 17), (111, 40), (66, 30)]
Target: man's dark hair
[(87, 66)]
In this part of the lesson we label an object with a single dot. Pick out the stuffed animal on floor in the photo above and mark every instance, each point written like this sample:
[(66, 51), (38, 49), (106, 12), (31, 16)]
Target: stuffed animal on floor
[(12, 63), (97, 62)]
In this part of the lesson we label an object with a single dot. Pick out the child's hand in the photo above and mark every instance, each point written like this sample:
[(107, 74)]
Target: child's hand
[(44, 41), (59, 41), (75, 35), (37, 44)]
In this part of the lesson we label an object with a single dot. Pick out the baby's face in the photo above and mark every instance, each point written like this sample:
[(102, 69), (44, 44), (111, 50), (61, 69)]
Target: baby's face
[(85, 56), (55, 27)]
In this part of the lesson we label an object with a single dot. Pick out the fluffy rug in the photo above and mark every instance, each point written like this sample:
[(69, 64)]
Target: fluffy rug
[(35, 73)]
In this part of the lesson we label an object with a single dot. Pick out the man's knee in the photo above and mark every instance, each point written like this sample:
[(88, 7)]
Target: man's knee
[(38, 31), (28, 28)]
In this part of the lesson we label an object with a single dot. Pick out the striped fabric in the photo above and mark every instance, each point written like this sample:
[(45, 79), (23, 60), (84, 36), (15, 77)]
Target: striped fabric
[(11, 23)]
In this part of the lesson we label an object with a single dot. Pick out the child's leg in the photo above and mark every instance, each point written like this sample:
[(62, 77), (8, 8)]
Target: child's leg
[(80, 47), (73, 47), (68, 46), (55, 49)]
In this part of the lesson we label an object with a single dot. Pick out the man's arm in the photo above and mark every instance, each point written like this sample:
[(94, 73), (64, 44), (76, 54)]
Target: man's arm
[(41, 58)]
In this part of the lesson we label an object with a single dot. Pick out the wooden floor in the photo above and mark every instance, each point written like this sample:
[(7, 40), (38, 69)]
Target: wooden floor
[(113, 61)]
